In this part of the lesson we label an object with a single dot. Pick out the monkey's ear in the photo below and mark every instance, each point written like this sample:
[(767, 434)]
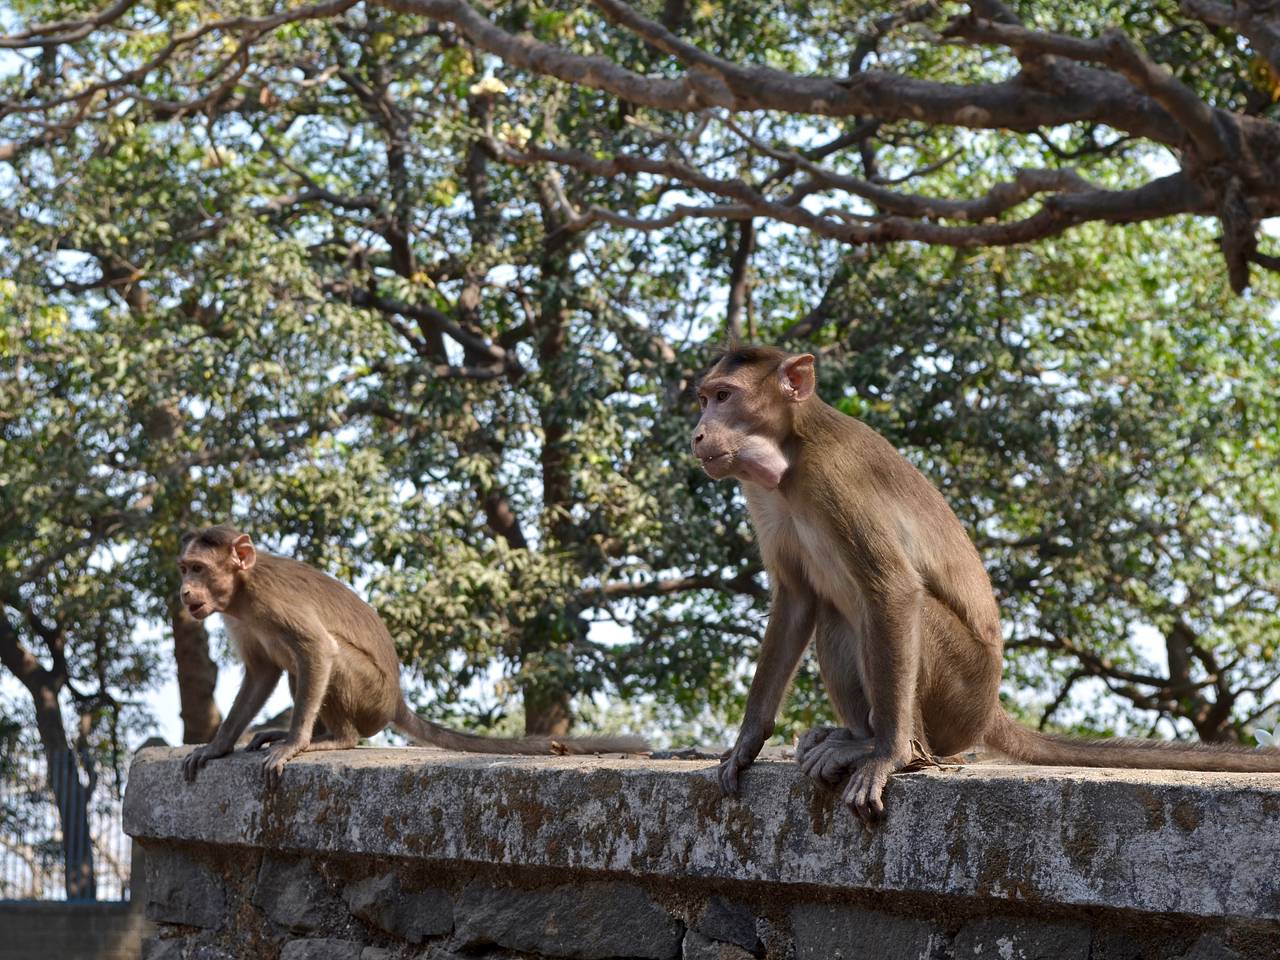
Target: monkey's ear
[(796, 377), (242, 553)]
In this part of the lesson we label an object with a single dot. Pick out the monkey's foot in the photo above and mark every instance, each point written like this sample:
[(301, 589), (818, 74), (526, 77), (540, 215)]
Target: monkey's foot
[(262, 738), (329, 741), (198, 757), (865, 790), (829, 754), (277, 756)]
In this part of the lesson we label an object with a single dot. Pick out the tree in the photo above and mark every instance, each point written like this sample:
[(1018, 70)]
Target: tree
[(1204, 90), (1222, 134), (433, 431), (437, 313)]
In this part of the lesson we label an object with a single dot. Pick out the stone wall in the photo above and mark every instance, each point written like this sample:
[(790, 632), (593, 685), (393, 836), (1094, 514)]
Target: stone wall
[(378, 853)]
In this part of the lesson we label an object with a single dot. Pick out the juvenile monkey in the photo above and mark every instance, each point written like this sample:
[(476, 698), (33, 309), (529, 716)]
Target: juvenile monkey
[(865, 556), (286, 617)]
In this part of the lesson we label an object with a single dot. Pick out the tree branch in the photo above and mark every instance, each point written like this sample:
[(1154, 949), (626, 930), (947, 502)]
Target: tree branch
[(1256, 22), (1173, 194), (744, 583), (1117, 51)]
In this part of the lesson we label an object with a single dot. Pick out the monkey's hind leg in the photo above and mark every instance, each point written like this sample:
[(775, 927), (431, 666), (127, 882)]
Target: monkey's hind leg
[(832, 758), (264, 737), (341, 735), (332, 741), (830, 754)]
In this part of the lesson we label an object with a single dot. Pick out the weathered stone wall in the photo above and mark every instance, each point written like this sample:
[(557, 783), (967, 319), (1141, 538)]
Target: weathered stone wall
[(374, 854)]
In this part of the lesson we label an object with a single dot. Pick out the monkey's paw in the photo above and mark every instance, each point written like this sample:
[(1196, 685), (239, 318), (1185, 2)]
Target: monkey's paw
[(734, 761), (198, 757), (829, 754), (865, 790), (273, 763)]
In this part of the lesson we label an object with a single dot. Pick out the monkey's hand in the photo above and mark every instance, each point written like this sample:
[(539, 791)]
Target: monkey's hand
[(277, 756), (750, 739), (864, 792), (201, 755)]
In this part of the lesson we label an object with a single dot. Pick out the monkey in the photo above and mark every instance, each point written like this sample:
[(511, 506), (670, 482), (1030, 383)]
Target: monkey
[(287, 617), (867, 559)]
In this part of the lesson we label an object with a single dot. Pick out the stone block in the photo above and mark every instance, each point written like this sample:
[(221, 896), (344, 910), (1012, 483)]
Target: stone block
[(698, 947), (410, 915), (293, 894), (183, 890), (588, 921), (320, 948), (1112, 944), (729, 922), (169, 949), (824, 932), (1209, 947), (1016, 939), (211, 951)]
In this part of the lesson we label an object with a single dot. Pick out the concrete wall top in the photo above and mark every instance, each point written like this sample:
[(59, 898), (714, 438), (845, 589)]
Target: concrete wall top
[(1155, 841)]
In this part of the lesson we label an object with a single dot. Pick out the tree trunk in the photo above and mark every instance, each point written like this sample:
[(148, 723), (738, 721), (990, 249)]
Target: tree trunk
[(72, 796), (546, 712), (70, 793), (740, 279), (547, 642), (197, 676)]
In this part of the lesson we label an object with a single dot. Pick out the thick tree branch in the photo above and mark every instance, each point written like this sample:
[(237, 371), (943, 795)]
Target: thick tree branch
[(1117, 51), (713, 81), (1002, 197), (59, 32), (1161, 198)]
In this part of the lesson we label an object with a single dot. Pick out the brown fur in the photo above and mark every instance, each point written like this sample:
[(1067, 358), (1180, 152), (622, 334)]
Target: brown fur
[(286, 617), (865, 553)]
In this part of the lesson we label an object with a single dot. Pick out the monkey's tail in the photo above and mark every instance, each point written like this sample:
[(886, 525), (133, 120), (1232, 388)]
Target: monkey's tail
[(424, 731), (1014, 740)]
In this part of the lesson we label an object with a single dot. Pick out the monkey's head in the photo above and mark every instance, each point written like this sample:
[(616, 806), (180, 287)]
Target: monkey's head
[(749, 398), (213, 563)]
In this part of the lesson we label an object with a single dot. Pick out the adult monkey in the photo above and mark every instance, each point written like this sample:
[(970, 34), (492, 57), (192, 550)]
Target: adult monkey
[(864, 554), (285, 616)]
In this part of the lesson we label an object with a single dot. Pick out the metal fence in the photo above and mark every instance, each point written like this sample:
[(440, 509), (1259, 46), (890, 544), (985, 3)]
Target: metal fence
[(61, 835)]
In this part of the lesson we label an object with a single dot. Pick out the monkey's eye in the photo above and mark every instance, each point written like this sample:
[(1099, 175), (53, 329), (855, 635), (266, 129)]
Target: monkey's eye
[(195, 568), (722, 395), (702, 400)]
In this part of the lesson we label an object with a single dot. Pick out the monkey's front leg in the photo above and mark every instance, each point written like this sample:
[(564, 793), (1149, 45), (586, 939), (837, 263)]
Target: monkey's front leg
[(314, 668), (891, 671), (259, 680), (790, 625)]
